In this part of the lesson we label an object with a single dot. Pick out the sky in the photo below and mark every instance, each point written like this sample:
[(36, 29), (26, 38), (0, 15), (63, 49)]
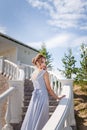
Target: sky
[(60, 24)]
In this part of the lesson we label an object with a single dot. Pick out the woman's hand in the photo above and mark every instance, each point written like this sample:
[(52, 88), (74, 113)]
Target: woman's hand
[(59, 98)]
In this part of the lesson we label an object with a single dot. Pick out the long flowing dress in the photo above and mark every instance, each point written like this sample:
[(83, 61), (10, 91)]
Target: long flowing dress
[(38, 111)]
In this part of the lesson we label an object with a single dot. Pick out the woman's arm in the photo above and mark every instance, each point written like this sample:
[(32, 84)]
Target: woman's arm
[(47, 82)]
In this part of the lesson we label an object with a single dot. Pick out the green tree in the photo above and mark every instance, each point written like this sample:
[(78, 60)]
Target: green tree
[(48, 56), (69, 64), (82, 72)]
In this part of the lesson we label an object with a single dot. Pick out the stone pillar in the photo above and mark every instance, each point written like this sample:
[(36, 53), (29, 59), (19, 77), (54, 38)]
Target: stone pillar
[(8, 117), (71, 118), (14, 106)]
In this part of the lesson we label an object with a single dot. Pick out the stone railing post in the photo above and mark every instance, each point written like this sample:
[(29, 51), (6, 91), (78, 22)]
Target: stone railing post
[(14, 105), (71, 118), (7, 117), (1, 64)]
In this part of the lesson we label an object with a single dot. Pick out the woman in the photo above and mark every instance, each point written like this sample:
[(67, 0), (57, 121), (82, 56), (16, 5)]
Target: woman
[(38, 110)]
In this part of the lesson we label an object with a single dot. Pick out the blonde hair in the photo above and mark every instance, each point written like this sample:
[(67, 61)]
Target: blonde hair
[(38, 58)]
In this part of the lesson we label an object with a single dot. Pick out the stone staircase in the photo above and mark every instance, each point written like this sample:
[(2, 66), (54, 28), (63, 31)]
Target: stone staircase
[(28, 88)]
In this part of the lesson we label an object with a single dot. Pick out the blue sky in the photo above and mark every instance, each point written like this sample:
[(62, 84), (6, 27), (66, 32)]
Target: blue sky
[(60, 24)]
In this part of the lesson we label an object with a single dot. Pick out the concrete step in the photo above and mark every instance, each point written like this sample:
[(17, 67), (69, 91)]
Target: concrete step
[(51, 103), (27, 98), (28, 89), (24, 113), (51, 108)]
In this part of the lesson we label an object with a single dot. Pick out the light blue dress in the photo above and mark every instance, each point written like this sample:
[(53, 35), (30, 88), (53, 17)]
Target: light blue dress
[(38, 110)]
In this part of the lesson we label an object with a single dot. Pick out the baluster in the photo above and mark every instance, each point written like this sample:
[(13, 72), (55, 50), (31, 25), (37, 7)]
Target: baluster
[(32, 69), (8, 73), (59, 88), (5, 68), (55, 85), (1, 64), (17, 73), (12, 72), (8, 117)]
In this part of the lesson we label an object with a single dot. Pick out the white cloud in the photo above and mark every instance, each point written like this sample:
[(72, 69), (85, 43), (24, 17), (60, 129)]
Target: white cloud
[(79, 40), (36, 45), (58, 41), (66, 40), (64, 13), (3, 29), (61, 40)]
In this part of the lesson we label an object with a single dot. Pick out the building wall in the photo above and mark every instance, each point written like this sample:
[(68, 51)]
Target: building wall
[(10, 54), (16, 51), (25, 55)]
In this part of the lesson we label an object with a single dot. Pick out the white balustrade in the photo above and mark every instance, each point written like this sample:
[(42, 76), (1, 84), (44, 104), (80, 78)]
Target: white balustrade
[(28, 69), (63, 117), (55, 82), (2, 99), (14, 95), (1, 64)]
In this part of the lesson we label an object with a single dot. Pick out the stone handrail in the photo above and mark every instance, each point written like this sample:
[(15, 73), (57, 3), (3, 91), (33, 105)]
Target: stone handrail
[(14, 95), (63, 116), (6, 93)]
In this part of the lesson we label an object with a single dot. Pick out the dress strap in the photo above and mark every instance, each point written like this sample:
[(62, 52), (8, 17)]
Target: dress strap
[(43, 72)]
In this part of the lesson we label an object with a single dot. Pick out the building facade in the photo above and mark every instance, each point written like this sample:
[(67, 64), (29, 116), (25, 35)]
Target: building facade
[(16, 51)]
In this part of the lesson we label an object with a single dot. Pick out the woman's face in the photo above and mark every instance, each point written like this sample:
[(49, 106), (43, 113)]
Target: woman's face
[(42, 65)]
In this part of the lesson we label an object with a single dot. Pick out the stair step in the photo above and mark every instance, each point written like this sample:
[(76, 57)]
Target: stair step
[(51, 103), (28, 89), (50, 114), (28, 94), (27, 97), (23, 115), (51, 108)]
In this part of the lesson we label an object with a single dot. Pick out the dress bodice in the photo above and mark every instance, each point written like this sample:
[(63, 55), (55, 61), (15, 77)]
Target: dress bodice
[(38, 80)]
